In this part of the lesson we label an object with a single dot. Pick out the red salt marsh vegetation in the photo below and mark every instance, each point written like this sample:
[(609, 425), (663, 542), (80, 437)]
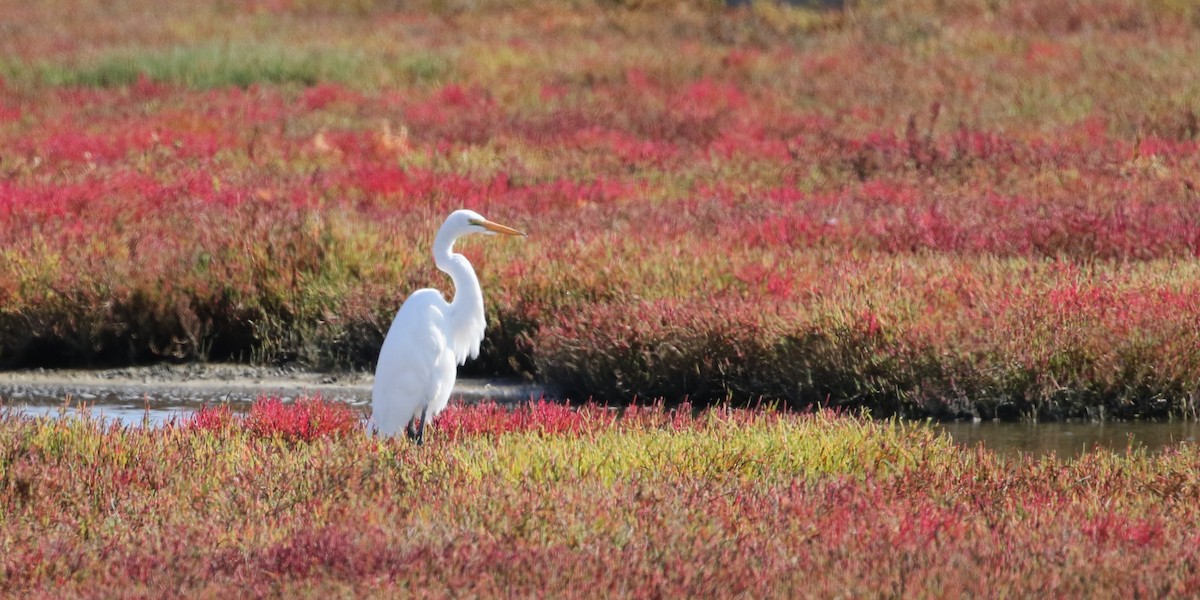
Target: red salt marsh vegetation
[(962, 207), (956, 208), (546, 500)]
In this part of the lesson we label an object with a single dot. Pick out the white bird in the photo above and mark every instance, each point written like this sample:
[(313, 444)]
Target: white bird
[(430, 337)]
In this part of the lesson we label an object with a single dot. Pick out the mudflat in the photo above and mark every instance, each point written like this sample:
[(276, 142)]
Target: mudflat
[(221, 382)]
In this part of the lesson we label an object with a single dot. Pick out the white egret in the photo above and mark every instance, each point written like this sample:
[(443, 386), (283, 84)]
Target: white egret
[(430, 337)]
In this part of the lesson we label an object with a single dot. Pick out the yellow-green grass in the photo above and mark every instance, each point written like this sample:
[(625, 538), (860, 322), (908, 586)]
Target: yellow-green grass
[(726, 503)]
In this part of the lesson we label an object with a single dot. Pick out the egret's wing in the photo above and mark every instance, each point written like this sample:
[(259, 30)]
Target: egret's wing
[(409, 374), (467, 325)]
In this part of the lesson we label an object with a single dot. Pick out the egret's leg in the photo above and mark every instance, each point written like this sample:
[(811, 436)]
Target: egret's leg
[(421, 427), (409, 430)]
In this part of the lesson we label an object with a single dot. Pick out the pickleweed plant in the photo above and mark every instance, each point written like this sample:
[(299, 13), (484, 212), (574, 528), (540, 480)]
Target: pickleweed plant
[(530, 498), (956, 218), (302, 420)]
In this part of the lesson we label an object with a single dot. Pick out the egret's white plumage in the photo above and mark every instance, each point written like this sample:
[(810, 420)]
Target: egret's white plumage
[(430, 337)]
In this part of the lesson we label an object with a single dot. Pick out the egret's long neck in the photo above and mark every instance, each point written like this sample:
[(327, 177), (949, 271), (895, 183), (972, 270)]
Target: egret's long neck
[(468, 296)]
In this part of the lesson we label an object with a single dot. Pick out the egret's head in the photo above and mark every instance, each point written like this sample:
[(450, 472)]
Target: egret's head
[(469, 221)]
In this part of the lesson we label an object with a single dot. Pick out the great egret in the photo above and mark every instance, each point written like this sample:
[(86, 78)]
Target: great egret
[(430, 337)]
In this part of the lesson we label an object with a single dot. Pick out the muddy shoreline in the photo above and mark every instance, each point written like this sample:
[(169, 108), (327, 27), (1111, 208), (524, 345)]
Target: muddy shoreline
[(207, 383)]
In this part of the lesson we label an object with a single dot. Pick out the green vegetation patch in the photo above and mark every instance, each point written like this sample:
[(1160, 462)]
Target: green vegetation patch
[(206, 65)]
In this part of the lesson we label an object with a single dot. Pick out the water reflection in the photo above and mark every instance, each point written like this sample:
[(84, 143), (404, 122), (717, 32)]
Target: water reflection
[(123, 413), (150, 411), (1071, 439), (1036, 439), (160, 402)]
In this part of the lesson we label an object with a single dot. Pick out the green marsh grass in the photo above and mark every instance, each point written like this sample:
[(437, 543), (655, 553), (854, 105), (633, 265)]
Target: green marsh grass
[(201, 66)]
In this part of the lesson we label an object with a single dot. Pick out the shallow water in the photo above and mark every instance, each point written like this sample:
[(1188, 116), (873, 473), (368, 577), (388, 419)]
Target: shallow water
[(1037, 439), (151, 414), (151, 409), (159, 403), (1072, 439)]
